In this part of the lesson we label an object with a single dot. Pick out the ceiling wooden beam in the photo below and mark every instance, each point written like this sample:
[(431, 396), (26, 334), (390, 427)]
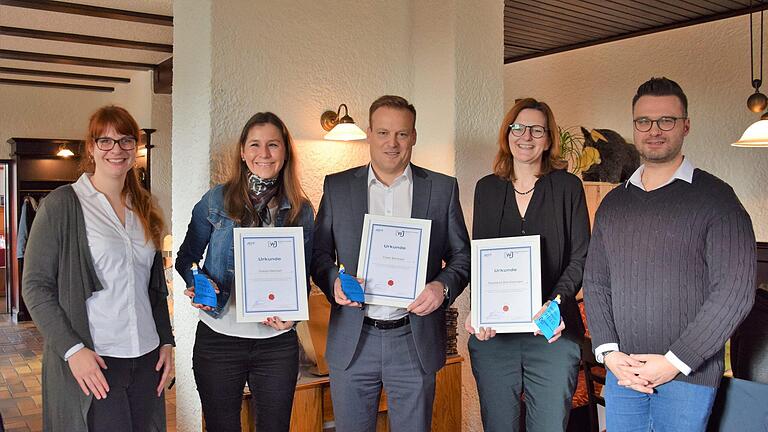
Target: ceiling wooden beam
[(6, 81), (72, 60), (92, 11), (57, 74), (84, 39)]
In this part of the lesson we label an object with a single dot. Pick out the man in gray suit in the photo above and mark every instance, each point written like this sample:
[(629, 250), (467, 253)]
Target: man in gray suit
[(370, 345)]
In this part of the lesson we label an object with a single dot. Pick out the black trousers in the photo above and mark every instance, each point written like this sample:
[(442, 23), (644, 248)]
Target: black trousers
[(224, 364), (132, 404)]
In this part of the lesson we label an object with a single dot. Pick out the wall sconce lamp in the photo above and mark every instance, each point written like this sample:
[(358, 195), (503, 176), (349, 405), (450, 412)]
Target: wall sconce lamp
[(756, 135), (64, 151), (341, 128)]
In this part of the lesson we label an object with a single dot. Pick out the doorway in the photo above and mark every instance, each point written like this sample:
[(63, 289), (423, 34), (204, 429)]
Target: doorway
[(5, 227)]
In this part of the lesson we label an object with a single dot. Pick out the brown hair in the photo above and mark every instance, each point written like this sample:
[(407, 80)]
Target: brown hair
[(391, 101), (141, 201), (236, 201), (503, 165), (661, 87)]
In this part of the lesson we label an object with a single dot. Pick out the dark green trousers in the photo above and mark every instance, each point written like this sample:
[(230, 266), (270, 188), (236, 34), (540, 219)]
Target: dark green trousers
[(513, 363)]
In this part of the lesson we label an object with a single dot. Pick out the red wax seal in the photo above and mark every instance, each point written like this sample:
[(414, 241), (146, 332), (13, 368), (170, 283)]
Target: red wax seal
[(390, 282), (506, 308), (271, 296)]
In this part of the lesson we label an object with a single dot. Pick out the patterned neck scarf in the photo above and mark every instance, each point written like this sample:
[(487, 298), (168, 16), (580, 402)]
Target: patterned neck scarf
[(261, 191)]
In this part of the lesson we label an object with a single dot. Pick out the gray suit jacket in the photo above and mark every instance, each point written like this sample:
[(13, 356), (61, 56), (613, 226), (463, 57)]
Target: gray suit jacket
[(338, 229)]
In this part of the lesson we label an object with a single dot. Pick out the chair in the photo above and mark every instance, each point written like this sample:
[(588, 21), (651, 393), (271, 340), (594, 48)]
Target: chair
[(739, 406)]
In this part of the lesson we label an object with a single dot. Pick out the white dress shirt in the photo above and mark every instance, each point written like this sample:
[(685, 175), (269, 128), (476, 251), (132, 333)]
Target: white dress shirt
[(393, 200), (685, 173), (120, 315), (227, 323)]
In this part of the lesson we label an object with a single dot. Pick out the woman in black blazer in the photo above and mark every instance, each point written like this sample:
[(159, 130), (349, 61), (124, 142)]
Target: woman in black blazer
[(530, 193)]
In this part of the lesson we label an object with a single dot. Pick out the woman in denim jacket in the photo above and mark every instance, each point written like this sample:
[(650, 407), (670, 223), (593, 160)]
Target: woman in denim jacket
[(263, 191)]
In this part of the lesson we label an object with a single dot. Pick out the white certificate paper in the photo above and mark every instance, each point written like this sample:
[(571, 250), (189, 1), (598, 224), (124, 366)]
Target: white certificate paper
[(270, 276), (393, 259), (506, 283)]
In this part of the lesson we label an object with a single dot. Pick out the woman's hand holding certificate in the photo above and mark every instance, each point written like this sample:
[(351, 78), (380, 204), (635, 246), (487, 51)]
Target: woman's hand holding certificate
[(506, 284)]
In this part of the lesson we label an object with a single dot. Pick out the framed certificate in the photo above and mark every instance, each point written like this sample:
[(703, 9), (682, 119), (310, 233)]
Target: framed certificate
[(270, 276), (393, 259), (506, 283)]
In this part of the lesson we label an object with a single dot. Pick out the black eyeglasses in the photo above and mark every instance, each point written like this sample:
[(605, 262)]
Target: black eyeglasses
[(518, 130), (666, 123), (107, 143)]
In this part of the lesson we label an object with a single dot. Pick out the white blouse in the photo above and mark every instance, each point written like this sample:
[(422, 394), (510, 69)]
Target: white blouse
[(120, 315)]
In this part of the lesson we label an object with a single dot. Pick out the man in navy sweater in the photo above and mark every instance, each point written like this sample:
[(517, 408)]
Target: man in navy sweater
[(670, 273)]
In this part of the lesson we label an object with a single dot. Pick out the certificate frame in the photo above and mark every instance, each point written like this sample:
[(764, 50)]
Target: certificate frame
[(372, 226), (251, 241), (530, 247)]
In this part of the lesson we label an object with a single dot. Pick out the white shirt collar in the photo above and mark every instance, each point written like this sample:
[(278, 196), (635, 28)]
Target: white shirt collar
[(684, 172), (83, 185), (407, 175)]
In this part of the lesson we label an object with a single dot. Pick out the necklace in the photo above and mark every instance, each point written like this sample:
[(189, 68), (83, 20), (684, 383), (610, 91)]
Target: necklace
[(524, 193)]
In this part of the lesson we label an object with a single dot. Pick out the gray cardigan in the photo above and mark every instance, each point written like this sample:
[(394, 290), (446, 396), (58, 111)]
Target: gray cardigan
[(59, 277)]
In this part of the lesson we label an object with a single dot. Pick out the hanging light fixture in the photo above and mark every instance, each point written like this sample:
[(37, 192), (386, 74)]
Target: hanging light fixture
[(756, 135), (341, 128)]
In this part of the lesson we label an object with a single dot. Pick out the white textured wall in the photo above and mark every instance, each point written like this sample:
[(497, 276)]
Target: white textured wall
[(162, 113), (479, 110), (302, 57), (33, 112), (594, 87), (458, 77), (190, 155)]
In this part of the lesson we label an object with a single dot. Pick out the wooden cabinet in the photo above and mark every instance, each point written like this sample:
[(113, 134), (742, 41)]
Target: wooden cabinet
[(312, 405), (595, 192)]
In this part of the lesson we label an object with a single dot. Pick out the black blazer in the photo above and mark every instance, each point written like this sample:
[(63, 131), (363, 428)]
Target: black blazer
[(567, 242)]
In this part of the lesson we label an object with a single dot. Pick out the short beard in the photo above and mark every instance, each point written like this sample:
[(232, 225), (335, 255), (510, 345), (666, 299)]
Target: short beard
[(660, 158)]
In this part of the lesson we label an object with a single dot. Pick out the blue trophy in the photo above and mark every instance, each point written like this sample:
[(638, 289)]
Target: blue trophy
[(550, 319), (351, 287), (205, 294)]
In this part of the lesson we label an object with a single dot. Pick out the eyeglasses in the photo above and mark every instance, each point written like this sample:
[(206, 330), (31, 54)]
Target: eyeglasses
[(665, 123), (518, 130), (107, 143)]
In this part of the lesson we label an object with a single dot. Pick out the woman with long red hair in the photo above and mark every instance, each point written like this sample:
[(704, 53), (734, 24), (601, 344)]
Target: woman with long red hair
[(94, 285)]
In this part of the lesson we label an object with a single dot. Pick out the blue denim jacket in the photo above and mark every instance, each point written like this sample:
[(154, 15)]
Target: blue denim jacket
[(211, 228)]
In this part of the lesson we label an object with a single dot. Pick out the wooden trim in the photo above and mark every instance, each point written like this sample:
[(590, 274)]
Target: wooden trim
[(162, 77), (32, 83), (72, 60), (92, 11), (56, 74), (677, 25), (84, 39)]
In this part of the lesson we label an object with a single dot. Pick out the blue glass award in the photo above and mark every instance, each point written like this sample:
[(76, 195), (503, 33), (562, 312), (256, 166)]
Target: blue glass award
[(550, 319), (205, 294), (351, 287)]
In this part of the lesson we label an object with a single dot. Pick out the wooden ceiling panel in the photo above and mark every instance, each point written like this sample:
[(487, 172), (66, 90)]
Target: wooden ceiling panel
[(534, 28)]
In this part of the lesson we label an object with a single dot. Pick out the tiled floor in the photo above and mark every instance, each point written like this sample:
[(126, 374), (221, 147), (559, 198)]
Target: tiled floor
[(21, 349)]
